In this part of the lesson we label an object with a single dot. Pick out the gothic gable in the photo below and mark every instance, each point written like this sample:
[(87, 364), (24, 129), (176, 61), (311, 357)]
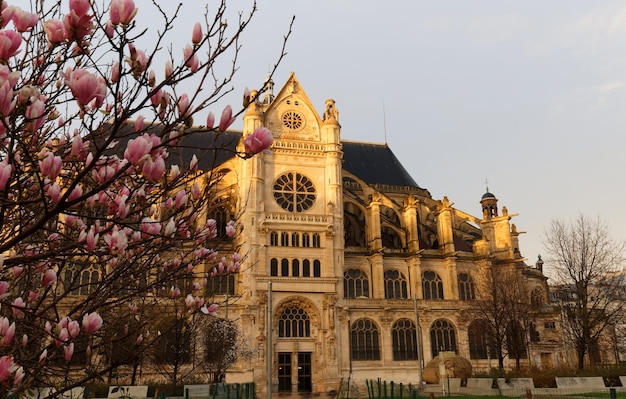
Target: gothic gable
[(291, 116)]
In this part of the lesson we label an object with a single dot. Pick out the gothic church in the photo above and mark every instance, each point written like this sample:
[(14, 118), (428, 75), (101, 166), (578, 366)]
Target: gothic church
[(359, 271)]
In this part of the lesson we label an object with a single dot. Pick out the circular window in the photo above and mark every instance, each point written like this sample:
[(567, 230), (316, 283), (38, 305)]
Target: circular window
[(292, 120), (294, 192)]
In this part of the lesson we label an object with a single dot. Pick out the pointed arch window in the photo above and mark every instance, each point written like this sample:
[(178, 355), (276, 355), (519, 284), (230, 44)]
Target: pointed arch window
[(295, 239), (355, 284), (536, 298), (442, 337), (404, 340), (294, 322), (432, 286), (395, 285), (364, 340), (480, 339), (273, 238), (466, 287)]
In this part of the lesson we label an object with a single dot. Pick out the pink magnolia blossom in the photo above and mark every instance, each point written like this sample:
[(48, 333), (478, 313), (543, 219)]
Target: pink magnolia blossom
[(76, 193), (175, 292), (139, 125), (7, 100), (68, 350), (230, 229), (19, 376), (43, 356), (195, 191), (86, 87), (116, 240), (122, 11), (191, 59), (210, 120), (36, 113), (49, 164), (4, 289), (55, 31), (24, 340), (5, 174), (153, 170), (196, 35), (92, 239), (115, 72), (7, 331), (18, 304), (211, 310), (73, 328), (10, 42), (80, 7), (150, 227), (48, 277), (138, 59), (138, 149), (260, 140), (78, 23), (7, 13), (183, 106), (169, 69), (23, 20), (54, 192), (6, 366), (109, 29), (91, 322), (227, 118)]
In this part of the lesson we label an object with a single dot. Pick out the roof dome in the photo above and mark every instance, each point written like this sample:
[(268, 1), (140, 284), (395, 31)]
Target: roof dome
[(487, 195)]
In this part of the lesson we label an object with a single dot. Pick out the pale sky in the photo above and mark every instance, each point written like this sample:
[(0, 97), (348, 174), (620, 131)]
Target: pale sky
[(528, 94)]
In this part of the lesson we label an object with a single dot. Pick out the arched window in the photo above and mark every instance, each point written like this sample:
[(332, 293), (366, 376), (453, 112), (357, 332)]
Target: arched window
[(294, 322), (355, 284), (306, 240), (220, 215), (364, 340), (284, 267), (295, 239), (317, 268), (432, 287), (306, 268), (536, 298), (481, 342), (295, 268), (390, 238), (395, 285), (284, 239), (404, 340), (442, 337), (274, 267), (81, 279), (221, 284), (466, 287), (273, 238), (174, 346), (316, 240)]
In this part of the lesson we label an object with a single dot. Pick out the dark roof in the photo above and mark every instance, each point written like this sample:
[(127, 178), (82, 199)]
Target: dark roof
[(375, 164), (212, 149), (487, 195)]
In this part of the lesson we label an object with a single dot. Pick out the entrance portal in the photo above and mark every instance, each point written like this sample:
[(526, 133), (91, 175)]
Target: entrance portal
[(304, 372), (285, 367), (284, 372)]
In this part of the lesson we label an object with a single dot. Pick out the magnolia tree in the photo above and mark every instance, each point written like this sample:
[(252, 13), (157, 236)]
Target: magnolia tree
[(96, 222)]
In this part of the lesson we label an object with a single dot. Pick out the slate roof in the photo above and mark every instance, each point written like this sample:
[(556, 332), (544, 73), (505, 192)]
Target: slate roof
[(375, 164)]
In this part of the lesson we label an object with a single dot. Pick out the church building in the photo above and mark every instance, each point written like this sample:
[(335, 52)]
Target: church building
[(360, 272)]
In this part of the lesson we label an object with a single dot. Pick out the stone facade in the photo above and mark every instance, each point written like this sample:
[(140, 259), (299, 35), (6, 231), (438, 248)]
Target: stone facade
[(355, 252)]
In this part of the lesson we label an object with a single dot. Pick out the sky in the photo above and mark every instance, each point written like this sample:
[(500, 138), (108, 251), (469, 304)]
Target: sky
[(529, 96)]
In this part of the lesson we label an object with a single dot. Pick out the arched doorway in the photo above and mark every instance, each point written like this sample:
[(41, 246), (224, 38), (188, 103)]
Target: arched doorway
[(295, 323)]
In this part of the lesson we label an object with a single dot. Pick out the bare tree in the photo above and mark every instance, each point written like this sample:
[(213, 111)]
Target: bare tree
[(503, 310), (583, 257)]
